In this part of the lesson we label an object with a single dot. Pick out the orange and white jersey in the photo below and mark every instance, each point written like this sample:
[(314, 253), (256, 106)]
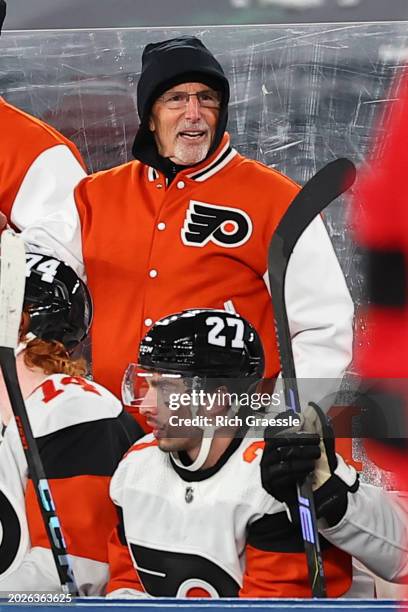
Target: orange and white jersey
[(82, 433), (218, 533), (209, 533), (39, 167), (150, 249)]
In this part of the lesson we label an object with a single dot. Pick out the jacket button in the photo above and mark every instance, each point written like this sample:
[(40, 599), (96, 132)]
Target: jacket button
[(161, 226), (148, 322), (181, 185), (153, 273), (159, 186)]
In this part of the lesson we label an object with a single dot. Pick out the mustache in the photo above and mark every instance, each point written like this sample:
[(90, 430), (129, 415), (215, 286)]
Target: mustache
[(186, 125)]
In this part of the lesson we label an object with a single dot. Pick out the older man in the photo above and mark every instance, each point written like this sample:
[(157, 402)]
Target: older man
[(188, 225)]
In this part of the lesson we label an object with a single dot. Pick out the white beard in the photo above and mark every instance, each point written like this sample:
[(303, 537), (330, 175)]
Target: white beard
[(190, 154)]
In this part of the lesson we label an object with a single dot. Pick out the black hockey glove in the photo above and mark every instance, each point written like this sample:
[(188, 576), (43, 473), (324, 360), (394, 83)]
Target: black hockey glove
[(289, 456)]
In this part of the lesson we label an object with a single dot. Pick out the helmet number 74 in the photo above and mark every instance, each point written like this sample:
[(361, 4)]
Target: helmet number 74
[(48, 268), (215, 335)]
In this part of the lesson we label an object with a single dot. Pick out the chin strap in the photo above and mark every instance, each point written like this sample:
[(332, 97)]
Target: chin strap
[(208, 435), (23, 345)]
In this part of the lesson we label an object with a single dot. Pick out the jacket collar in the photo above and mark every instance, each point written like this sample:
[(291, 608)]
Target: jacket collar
[(207, 168)]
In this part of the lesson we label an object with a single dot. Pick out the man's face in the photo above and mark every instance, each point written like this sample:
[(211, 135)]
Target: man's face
[(184, 134), (156, 408)]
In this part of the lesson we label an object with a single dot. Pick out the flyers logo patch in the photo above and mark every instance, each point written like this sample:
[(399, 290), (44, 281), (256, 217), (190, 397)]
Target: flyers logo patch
[(222, 225), (165, 573)]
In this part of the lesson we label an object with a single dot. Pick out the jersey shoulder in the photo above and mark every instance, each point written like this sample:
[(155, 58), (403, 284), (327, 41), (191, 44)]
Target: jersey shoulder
[(121, 181), (145, 450), (261, 171), (272, 190), (241, 477), (114, 177), (143, 458), (245, 463), (62, 401)]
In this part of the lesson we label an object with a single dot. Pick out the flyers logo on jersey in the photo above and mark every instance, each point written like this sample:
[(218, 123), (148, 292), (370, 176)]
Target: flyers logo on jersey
[(222, 225)]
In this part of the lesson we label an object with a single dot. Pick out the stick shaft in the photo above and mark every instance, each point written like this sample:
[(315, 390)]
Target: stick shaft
[(330, 182)]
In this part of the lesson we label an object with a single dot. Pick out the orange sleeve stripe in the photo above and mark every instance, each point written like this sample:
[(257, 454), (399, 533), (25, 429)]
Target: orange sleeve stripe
[(251, 452), (86, 513), (141, 446), (270, 574), (123, 574)]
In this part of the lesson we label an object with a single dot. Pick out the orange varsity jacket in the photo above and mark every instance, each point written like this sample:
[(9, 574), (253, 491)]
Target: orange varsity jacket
[(150, 249)]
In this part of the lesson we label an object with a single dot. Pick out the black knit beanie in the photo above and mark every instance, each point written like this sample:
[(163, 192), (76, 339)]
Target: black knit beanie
[(169, 63)]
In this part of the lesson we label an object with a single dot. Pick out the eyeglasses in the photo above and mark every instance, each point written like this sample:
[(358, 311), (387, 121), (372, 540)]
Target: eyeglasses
[(180, 99)]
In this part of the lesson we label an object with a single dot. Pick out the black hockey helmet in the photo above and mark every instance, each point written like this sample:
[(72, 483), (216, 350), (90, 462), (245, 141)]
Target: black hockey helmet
[(203, 342), (57, 300)]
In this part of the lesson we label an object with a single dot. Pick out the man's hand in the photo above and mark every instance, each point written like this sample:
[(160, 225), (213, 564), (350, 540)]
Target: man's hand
[(287, 459), (289, 456)]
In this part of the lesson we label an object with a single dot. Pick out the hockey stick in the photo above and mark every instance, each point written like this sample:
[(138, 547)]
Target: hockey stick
[(324, 187), (12, 284)]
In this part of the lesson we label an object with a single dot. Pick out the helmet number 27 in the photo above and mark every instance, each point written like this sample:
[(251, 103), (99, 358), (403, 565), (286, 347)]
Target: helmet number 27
[(218, 325)]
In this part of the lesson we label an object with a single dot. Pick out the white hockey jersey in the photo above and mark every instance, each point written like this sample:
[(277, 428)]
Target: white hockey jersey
[(213, 532), (82, 433), (216, 532)]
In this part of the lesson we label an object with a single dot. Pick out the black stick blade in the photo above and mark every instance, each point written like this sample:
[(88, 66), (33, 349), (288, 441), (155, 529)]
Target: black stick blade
[(324, 187)]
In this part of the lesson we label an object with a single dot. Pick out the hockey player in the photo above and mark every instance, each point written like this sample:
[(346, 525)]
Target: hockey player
[(188, 224), (380, 221), (81, 431), (38, 166), (210, 512)]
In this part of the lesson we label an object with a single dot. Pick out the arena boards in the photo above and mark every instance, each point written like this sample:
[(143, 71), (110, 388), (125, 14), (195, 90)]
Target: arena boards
[(205, 605)]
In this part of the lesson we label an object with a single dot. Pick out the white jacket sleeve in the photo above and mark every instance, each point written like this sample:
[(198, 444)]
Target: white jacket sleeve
[(374, 531), (320, 315), (44, 209)]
